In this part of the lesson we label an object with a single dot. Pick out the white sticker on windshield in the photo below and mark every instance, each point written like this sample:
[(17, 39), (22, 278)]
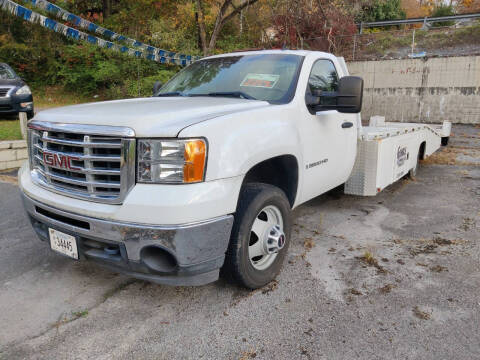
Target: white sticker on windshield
[(260, 80)]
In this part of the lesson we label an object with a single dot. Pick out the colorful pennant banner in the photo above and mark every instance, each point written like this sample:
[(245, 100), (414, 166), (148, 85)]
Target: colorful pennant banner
[(145, 51)]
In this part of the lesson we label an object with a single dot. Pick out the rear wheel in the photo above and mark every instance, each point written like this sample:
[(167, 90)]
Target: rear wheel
[(413, 171), (260, 236), (30, 114), (445, 140)]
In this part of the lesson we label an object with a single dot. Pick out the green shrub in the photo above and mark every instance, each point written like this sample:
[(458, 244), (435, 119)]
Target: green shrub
[(443, 10), (144, 87), (380, 10)]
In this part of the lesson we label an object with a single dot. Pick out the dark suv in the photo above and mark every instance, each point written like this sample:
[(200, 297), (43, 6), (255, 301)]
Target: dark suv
[(15, 95)]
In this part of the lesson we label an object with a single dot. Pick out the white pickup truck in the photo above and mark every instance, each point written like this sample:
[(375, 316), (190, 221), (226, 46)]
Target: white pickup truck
[(203, 176)]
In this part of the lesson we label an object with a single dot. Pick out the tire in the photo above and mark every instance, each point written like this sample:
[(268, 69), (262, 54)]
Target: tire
[(260, 209), (412, 173), (445, 140), (30, 115)]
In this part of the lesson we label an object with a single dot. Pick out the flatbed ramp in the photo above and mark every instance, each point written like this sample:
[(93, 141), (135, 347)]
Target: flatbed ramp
[(388, 151)]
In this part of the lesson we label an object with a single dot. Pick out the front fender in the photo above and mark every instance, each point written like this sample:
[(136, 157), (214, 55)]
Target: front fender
[(240, 141)]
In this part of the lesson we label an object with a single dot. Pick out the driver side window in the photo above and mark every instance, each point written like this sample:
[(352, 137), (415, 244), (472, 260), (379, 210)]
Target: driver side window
[(323, 77)]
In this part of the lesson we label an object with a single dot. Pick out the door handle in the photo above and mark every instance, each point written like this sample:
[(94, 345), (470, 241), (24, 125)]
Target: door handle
[(347, 125)]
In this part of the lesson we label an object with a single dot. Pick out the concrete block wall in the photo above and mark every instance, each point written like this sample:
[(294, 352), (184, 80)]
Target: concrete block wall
[(421, 90), (12, 154)]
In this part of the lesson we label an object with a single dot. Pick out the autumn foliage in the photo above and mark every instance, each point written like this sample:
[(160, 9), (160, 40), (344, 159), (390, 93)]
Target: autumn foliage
[(310, 24)]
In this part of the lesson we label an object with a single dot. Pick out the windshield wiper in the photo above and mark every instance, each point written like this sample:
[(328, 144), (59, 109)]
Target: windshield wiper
[(173, 93), (237, 94)]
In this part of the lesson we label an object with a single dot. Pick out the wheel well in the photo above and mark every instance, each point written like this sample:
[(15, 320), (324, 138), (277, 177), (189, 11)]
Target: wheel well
[(421, 151), (280, 171)]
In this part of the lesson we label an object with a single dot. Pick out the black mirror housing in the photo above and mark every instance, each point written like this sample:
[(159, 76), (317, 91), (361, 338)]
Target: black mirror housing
[(348, 99), (314, 98), (350, 95), (157, 86)]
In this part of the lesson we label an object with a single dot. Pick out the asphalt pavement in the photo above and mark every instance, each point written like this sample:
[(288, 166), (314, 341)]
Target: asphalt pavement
[(396, 276)]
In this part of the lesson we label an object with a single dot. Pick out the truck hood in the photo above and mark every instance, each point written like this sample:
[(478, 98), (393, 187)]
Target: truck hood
[(150, 117)]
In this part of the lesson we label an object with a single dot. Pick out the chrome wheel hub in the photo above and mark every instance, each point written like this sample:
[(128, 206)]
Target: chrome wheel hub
[(275, 240), (266, 237)]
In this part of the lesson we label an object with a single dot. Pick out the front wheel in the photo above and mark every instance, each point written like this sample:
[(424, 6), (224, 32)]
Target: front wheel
[(260, 236)]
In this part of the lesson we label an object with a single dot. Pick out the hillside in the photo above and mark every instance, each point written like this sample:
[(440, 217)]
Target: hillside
[(397, 44)]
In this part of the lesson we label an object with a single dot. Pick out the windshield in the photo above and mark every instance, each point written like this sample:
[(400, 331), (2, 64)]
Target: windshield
[(268, 77), (6, 73)]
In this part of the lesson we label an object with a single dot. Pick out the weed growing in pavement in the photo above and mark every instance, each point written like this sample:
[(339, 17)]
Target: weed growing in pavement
[(370, 260), (80, 314), (308, 244)]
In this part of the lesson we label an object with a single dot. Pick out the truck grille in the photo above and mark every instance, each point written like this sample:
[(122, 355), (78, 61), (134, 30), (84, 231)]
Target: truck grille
[(83, 165), (4, 92)]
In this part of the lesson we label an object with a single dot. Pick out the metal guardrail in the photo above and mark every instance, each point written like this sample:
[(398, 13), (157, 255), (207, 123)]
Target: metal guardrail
[(425, 21)]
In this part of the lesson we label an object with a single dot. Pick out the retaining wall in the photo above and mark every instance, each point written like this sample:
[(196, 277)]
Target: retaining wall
[(421, 90), (12, 154)]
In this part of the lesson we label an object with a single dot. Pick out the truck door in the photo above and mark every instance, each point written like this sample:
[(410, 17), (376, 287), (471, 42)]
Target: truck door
[(329, 138)]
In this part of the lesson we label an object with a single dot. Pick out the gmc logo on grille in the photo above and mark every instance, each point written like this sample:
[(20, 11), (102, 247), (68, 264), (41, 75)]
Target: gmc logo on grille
[(60, 161)]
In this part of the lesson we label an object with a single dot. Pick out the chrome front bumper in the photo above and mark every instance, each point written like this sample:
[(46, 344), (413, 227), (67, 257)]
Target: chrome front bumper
[(189, 254)]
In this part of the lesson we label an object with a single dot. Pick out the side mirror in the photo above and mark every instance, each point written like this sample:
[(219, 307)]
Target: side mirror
[(348, 98), (314, 98), (157, 86), (350, 95)]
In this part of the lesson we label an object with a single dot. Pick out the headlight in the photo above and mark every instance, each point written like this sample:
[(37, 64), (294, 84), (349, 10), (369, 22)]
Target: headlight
[(171, 161), (24, 90)]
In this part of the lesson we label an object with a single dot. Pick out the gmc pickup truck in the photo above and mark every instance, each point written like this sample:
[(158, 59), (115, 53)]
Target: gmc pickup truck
[(202, 177)]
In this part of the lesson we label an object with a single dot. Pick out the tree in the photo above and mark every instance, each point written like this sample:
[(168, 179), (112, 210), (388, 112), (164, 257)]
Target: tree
[(321, 24), (107, 8), (380, 10), (414, 9), (226, 12), (443, 10)]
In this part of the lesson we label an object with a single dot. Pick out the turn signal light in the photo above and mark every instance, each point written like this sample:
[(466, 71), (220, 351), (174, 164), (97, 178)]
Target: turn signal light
[(195, 156)]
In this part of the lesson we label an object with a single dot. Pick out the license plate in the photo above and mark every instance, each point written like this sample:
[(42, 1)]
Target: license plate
[(63, 243)]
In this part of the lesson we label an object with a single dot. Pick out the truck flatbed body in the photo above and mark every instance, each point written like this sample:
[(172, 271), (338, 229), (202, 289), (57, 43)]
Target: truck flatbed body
[(387, 152)]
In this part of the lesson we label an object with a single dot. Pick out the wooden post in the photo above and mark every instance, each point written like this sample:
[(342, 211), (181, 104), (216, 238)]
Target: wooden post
[(23, 124)]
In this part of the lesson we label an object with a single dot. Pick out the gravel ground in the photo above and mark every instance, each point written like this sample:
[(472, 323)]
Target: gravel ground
[(391, 276)]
